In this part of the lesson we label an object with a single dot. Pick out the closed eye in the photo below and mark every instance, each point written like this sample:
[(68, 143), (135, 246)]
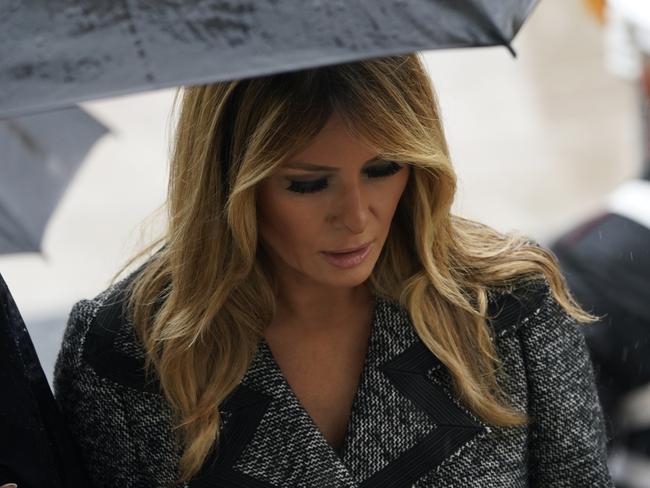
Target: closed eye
[(312, 186)]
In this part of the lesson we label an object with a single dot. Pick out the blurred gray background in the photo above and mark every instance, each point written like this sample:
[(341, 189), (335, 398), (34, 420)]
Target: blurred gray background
[(537, 141)]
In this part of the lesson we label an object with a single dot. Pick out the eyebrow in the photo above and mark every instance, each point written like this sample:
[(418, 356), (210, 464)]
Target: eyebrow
[(317, 167)]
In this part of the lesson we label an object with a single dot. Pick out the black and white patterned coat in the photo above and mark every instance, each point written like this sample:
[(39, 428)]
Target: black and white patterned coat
[(405, 430)]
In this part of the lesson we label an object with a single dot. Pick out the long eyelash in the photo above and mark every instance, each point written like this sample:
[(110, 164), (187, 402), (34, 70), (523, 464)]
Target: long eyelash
[(317, 185), (380, 172), (307, 186)]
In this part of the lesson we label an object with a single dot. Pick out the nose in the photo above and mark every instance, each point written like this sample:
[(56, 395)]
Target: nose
[(352, 207)]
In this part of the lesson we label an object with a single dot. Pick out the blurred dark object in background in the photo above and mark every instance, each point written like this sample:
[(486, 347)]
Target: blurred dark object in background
[(606, 262), (36, 449)]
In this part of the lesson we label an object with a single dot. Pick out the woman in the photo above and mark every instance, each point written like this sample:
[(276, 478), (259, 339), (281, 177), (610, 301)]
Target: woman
[(249, 351)]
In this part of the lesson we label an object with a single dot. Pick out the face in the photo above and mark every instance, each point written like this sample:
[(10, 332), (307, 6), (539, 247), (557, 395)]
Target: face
[(348, 202)]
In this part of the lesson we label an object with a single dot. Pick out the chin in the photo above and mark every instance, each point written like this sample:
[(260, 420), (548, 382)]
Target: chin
[(348, 278)]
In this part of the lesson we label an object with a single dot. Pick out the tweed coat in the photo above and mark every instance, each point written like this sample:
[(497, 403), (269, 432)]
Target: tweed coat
[(406, 428)]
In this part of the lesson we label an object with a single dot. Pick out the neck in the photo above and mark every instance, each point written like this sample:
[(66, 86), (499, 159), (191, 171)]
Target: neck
[(325, 311)]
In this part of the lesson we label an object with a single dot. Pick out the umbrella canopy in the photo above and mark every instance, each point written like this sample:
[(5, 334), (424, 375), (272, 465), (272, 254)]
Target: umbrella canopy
[(60, 52), (36, 450), (40, 155)]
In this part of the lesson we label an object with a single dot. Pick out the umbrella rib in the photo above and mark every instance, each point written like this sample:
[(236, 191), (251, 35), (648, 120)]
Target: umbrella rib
[(492, 27), (25, 138)]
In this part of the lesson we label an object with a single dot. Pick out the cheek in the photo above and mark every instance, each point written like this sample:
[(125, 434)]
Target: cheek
[(285, 221), (299, 222), (390, 195)]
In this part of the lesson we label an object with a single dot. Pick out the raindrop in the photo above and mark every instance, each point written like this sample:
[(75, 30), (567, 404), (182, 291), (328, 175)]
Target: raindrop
[(624, 355), (631, 256), (600, 235)]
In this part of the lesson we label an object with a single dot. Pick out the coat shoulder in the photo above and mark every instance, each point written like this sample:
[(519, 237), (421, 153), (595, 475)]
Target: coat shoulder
[(113, 412), (512, 307), (99, 335)]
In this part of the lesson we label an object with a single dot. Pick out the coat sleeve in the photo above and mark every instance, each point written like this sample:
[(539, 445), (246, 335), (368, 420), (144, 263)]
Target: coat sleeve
[(567, 445), (95, 415), (120, 431)]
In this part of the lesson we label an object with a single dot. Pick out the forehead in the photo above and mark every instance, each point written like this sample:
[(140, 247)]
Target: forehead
[(304, 165), (333, 147)]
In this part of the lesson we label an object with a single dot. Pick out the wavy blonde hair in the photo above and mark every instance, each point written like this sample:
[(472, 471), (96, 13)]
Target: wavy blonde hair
[(201, 303)]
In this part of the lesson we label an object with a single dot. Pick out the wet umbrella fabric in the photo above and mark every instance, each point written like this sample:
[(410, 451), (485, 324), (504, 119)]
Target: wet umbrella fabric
[(36, 449), (60, 52), (40, 155)]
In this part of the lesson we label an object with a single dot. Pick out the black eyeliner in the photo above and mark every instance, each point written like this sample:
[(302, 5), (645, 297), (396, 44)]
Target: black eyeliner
[(321, 183)]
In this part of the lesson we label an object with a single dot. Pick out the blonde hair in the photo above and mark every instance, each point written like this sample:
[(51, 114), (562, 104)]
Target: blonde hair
[(201, 303)]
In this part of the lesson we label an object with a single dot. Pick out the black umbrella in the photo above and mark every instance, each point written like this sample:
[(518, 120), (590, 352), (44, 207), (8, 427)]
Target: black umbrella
[(40, 155), (59, 52), (36, 449)]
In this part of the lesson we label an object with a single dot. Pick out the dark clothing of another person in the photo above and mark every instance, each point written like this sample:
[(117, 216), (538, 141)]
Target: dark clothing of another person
[(606, 262)]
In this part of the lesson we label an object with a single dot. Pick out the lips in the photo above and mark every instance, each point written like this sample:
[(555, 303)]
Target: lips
[(349, 250), (348, 259)]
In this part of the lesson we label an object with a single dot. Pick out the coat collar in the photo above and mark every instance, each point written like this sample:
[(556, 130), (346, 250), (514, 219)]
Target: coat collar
[(402, 425), (404, 420)]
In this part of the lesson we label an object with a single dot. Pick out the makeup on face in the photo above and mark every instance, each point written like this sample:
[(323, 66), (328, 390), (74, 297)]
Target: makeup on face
[(325, 202), (348, 259), (298, 185)]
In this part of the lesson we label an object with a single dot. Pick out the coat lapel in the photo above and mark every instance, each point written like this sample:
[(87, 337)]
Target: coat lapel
[(403, 422), (269, 438)]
